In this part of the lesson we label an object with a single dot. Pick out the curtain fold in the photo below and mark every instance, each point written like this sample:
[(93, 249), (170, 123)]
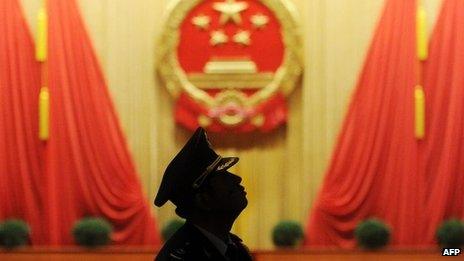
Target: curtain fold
[(89, 170), (20, 164), (443, 151), (375, 168)]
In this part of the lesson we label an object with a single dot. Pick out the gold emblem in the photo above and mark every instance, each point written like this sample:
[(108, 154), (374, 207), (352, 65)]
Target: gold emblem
[(227, 87)]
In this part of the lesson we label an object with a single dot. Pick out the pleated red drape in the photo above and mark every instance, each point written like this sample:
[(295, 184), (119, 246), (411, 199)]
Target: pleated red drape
[(443, 150), (88, 168), (20, 168), (374, 170)]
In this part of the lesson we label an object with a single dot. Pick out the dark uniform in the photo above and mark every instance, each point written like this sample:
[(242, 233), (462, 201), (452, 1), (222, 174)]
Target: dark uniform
[(188, 243), (184, 175)]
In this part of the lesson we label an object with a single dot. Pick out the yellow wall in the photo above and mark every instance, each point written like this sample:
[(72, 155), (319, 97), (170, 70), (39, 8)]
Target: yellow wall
[(282, 170)]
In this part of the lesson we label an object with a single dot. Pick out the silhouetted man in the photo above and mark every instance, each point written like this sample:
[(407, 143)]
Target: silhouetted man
[(209, 197)]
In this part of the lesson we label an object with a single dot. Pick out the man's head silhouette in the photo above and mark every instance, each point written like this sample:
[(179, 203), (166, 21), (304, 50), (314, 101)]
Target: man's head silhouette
[(197, 179)]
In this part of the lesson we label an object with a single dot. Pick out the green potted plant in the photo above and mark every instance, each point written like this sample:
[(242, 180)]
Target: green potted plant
[(14, 233), (170, 228), (287, 234), (92, 232), (372, 234), (450, 234)]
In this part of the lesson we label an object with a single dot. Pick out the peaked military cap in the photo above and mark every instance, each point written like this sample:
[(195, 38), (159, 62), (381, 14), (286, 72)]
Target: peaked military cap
[(189, 168)]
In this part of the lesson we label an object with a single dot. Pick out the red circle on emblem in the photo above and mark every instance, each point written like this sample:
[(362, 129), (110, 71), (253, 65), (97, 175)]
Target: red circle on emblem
[(265, 48)]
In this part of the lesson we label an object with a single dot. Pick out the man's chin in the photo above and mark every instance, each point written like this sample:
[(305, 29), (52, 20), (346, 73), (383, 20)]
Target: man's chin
[(243, 204), (237, 208)]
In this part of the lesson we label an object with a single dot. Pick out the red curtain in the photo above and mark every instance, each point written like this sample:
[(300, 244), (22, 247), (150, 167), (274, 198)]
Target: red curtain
[(374, 170), (378, 169), (443, 151), (20, 168), (88, 167)]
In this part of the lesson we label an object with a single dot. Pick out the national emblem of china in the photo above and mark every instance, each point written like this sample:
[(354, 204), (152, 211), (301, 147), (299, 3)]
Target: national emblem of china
[(230, 64)]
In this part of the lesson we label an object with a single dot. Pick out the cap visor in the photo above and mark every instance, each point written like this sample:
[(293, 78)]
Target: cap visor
[(159, 201)]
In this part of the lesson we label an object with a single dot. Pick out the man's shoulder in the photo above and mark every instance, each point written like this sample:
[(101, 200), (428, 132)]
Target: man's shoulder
[(178, 247), (180, 250), (186, 244), (244, 253)]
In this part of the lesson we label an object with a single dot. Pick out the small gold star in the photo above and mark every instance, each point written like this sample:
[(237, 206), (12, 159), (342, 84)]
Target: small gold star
[(201, 21), (218, 37), (242, 37), (259, 20), (230, 10)]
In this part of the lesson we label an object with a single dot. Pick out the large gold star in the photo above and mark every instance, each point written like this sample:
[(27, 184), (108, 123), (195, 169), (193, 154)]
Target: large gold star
[(259, 20), (230, 10), (242, 37), (201, 21), (218, 37)]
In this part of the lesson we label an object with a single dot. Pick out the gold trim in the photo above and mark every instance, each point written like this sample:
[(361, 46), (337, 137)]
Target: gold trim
[(231, 120), (224, 66), (231, 97), (230, 81), (285, 78)]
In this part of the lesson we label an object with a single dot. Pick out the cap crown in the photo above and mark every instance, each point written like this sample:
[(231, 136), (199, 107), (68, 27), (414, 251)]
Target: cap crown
[(187, 165)]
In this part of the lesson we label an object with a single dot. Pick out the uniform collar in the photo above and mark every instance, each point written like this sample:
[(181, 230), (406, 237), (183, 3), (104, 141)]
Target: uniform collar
[(220, 245)]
